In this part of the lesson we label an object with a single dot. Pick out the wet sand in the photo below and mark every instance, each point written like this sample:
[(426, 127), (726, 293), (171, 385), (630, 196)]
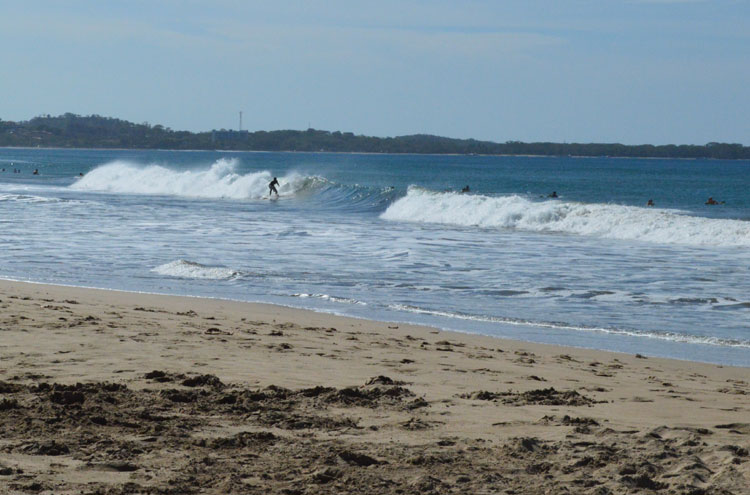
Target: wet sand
[(110, 393)]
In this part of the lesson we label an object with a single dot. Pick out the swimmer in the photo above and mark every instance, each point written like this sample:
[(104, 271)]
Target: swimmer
[(650, 202)]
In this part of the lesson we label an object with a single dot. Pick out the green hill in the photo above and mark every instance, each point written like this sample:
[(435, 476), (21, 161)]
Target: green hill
[(94, 131)]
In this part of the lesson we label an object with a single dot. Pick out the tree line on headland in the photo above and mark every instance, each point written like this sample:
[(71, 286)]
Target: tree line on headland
[(94, 131)]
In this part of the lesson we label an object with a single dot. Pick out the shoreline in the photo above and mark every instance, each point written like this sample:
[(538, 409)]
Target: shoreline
[(105, 391), (374, 321)]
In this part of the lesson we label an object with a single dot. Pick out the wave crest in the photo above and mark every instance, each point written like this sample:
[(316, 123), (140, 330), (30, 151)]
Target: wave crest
[(601, 220), (219, 181)]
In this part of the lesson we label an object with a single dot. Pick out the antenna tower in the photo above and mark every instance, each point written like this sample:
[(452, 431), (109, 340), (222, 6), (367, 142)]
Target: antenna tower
[(240, 120)]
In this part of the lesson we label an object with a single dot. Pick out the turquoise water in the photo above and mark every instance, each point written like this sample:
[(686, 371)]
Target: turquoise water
[(390, 237)]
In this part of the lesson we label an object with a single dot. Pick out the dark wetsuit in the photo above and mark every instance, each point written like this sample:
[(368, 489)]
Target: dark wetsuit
[(272, 187)]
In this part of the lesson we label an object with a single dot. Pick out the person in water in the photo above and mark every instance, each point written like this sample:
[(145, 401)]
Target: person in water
[(553, 195), (272, 187), (712, 201), (465, 189), (650, 202)]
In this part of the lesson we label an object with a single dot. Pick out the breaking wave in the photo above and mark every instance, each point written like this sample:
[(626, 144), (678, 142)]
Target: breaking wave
[(190, 269), (601, 220), (218, 181)]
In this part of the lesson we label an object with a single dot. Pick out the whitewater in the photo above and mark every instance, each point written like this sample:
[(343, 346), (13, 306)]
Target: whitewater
[(392, 238), (220, 180), (610, 221)]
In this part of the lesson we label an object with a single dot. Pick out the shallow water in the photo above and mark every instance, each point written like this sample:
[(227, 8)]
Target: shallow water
[(388, 237)]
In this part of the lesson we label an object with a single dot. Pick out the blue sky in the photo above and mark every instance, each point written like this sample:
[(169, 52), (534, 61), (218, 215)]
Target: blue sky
[(630, 71)]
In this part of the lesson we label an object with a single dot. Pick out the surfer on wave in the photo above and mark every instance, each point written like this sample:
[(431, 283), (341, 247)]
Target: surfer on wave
[(272, 187)]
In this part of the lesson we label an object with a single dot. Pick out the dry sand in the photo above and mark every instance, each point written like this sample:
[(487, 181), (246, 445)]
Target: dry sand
[(111, 393)]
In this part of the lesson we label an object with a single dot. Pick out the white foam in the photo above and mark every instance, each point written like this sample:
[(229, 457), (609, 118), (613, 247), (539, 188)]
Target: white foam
[(190, 269), (26, 198), (601, 220), (326, 297), (669, 336), (218, 181)]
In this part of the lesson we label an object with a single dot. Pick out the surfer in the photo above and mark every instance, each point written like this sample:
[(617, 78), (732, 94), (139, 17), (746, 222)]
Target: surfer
[(712, 201), (553, 195), (650, 202), (465, 189), (272, 187)]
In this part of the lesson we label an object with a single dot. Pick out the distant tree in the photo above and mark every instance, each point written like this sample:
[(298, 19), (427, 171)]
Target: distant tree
[(71, 130)]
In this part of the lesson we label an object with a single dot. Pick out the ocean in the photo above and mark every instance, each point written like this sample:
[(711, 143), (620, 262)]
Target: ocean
[(393, 238)]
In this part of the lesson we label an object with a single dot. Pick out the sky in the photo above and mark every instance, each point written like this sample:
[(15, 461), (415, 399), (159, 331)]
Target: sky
[(628, 71)]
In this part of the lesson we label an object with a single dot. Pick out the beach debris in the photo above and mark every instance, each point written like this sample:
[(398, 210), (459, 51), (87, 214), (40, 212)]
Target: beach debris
[(163, 376), (416, 424), (325, 475), (114, 466), (383, 380), (643, 481), (217, 331), (544, 396), (203, 381), (8, 404), (244, 439), (567, 420), (737, 428), (9, 388), (179, 396), (298, 437), (51, 448), (67, 397), (736, 450), (358, 459)]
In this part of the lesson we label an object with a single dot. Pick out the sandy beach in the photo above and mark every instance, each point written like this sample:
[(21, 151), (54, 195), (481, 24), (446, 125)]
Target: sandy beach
[(107, 392)]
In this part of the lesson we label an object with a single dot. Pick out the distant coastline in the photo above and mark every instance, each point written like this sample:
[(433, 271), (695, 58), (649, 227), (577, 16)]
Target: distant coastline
[(97, 132)]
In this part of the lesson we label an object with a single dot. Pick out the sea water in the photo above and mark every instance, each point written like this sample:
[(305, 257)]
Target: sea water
[(391, 237)]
